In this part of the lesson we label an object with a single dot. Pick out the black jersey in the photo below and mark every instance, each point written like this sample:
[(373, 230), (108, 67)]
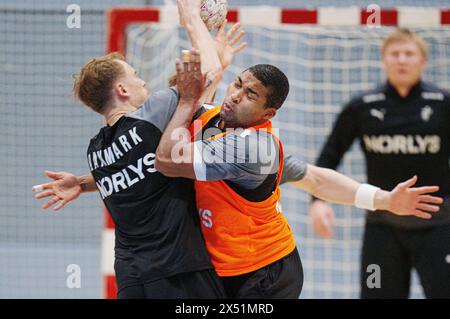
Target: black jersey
[(157, 228), (400, 138)]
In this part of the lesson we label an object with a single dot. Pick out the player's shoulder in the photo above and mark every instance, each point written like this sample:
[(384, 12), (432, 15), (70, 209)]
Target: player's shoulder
[(253, 134), (367, 98), (375, 95), (251, 140), (257, 144), (164, 95), (158, 108), (433, 92), (258, 140), (97, 140), (203, 109), (157, 99)]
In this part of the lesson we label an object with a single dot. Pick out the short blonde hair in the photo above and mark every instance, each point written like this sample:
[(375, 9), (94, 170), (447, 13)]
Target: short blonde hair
[(404, 34), (96, 79)]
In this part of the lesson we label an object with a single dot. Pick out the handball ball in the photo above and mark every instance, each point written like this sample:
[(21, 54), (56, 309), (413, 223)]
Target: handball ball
[(213, 13)]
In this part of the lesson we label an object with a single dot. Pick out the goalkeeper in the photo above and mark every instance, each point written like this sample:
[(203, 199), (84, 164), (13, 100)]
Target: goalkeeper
[(403, 129)]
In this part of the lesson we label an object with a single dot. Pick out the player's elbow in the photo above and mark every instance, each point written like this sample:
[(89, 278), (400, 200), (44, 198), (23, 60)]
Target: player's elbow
[(176, 163), (314, 179), (163, 164), (172, 169)]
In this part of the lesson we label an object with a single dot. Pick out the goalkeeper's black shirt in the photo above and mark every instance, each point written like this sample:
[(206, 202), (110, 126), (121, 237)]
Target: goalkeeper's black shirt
[(400, 138), (157, 227)]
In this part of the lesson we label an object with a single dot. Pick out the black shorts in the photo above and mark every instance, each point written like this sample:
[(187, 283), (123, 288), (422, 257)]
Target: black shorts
[(396, 251), (204, 284), (282, 279)]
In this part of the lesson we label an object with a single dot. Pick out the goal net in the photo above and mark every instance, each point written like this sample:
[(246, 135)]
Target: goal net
[(326, 66)]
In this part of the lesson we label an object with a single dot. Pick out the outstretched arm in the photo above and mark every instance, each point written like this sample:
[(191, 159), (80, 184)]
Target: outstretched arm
[(403, 200), (64, 188)]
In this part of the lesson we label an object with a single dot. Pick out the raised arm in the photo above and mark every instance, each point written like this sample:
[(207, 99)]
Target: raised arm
[(216, 54), (201, 40), (175, 153)]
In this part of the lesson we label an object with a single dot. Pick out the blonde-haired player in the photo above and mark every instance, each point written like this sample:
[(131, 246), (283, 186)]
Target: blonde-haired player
[(159, 248)]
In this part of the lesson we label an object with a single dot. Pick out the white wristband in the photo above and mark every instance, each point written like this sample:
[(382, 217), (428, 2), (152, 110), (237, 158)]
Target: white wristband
[(365, 196)]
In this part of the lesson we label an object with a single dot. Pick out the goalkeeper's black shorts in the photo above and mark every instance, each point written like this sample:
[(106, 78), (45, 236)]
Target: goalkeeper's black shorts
[(390, 253)]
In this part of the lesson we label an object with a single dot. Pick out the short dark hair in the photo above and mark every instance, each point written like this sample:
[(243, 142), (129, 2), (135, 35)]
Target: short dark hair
[(273, 79)]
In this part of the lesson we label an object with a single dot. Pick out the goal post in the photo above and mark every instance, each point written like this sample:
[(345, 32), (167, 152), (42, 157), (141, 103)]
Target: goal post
[(329, 55)]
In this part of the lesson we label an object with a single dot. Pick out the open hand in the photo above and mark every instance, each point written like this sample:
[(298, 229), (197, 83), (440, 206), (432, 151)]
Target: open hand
[(64, 188), (407, 200), (322, 218), (190, 81), (225, 43)]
